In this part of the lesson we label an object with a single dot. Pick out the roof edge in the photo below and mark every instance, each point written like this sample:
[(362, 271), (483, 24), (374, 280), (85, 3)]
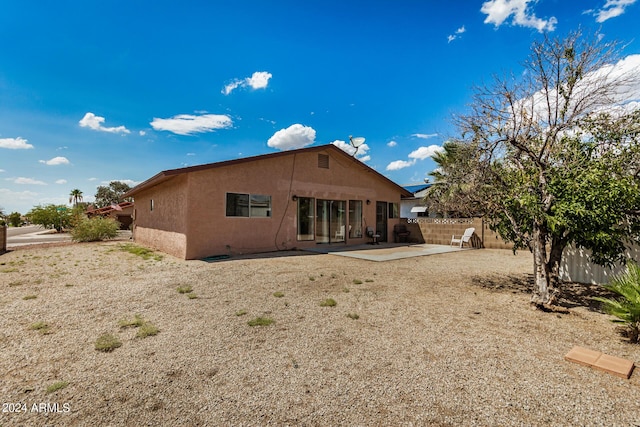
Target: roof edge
[(167, 174)]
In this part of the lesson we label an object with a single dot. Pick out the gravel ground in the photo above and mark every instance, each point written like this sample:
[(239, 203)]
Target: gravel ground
[(445, 339)]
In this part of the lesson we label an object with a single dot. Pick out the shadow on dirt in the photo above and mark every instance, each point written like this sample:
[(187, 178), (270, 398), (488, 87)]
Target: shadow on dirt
[(569, 295)]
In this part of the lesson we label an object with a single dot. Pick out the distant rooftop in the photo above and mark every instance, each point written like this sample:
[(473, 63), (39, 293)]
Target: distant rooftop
[(415, 188)]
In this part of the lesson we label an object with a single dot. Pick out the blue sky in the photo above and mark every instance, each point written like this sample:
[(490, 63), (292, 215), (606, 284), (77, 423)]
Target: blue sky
[(97, 91)]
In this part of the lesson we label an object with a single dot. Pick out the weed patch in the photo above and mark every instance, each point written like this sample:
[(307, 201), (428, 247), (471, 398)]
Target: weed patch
[(241, 312), (58, 385), (184, 289), (28, 297), (329, 302), (357, 282), (147, 329), (278, 294), (107, 343), (41, 327), (353, 316), (260, 321), (136, 322), (144, 253)]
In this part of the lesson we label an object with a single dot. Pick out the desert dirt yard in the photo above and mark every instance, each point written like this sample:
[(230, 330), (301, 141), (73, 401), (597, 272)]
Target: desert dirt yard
[(445, 339)]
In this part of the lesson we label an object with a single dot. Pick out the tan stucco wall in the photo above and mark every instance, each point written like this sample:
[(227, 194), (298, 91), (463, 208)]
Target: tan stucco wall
[(210, 232), (164, 228), (166, 241)]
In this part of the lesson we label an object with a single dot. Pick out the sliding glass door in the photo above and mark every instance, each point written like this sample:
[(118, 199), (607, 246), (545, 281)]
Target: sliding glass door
[(330, 221)]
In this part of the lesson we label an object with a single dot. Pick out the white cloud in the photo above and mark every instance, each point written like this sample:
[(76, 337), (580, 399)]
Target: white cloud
[(129, 182), (61, 181), (94, 122), (27, 181), (2, 170), (187, 124), (425, 135), (142, 133), (391, 144), (612, 8), (295, 136), (421, 153), (399, 164), (15, 143), (258, 80), (56, 161), (17, 195), (498, 11), (231, 87), (93, 179), (425, 152), (457, 34), (349, 149), (625, 75)]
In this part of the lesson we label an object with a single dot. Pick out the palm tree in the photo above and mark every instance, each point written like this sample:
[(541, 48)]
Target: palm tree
[(75, 196)]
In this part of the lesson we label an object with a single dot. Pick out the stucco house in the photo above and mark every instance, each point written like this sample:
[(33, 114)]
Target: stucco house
[(284, 200), (414, 206), (122, 212)]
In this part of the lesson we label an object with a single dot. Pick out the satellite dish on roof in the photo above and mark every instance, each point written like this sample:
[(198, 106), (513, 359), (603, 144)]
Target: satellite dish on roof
[(357, 141)]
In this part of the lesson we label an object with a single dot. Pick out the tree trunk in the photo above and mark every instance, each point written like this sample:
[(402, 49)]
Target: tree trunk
[(542, 288), (553, 265)]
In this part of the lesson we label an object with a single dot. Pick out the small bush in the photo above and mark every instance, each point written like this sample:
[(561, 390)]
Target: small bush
[(357, 282), (260, 321), (241, 312), (278, 294), (28, 297), (191, 295), (59, 385), (329, 302), (187, 289), (107, 343), (95, 229), (353, 316)]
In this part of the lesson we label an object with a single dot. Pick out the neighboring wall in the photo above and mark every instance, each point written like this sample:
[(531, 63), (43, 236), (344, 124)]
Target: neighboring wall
[(576, 267), (3, 238), (438, 231)]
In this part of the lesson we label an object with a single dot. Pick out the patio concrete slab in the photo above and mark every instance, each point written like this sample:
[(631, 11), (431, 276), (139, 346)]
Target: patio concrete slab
[(614, 365), (387, 252)]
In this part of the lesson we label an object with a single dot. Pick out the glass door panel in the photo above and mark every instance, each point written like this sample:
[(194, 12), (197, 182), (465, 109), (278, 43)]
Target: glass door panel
[(381, 220), (330, 221)]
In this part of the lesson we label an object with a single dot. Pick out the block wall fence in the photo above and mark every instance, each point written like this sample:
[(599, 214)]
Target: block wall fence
[(438, 231)]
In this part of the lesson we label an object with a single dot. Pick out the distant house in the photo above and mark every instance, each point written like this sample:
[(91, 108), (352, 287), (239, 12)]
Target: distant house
[(122, 212), (414, 206), (291, 199)]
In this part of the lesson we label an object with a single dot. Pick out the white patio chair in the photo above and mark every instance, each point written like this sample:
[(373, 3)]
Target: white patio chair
[(465, 238)]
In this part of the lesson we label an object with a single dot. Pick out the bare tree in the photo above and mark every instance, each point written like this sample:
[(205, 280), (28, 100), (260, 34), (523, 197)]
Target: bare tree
[(543, 152)]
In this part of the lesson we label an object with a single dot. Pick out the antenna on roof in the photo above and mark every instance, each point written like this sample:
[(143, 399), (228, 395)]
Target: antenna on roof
[(356, 142)]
